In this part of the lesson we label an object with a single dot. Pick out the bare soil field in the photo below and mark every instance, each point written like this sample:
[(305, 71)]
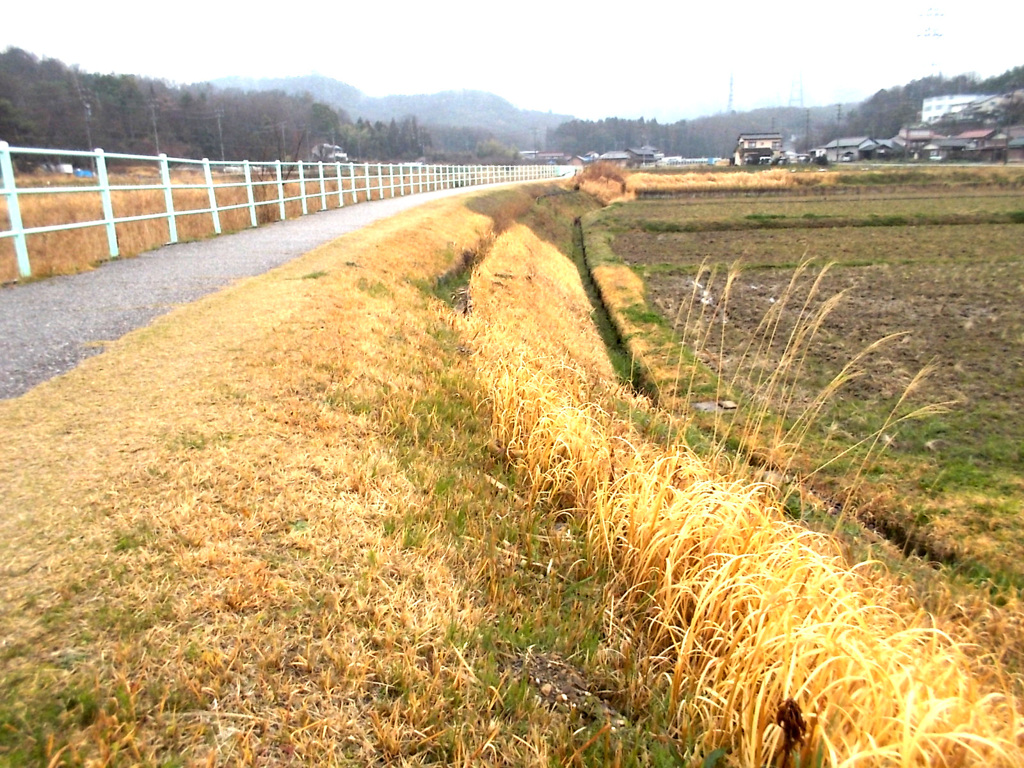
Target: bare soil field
[(950, 484)]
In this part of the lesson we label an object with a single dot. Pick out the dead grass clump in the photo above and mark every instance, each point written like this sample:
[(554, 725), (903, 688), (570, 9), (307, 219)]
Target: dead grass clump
[(605, 181)]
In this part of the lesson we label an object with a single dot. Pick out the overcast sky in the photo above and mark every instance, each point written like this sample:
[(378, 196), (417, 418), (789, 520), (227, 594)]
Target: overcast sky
[(664, 60)]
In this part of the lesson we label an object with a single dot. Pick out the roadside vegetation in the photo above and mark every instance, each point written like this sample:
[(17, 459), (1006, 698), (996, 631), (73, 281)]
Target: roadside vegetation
[(392, 504), (75, 250)]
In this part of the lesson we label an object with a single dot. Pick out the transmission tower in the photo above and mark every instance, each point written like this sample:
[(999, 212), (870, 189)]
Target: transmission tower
[(931, 29), (796, 92), (729, 108)]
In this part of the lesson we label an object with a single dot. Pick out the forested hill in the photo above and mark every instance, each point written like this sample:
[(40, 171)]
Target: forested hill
[(473, 110), (45, 103), (882, 115)]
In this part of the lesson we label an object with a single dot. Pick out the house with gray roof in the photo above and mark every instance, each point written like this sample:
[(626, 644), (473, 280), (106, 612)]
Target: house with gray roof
[(617, 157), (645, 155), (852, 148), (757, 148)]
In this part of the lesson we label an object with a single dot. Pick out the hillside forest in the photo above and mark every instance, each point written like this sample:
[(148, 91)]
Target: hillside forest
[(44, 103)]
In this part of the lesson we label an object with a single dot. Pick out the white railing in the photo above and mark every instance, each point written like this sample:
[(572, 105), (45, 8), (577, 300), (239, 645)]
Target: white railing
[(264, 190)]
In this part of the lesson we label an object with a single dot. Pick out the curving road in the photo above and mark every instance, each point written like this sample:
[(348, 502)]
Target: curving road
[(48, 327)]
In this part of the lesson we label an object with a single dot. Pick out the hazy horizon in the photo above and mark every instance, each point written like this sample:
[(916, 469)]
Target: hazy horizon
[(667, 63)]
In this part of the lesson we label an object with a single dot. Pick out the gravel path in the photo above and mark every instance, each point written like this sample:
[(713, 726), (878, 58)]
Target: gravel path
[(48, 327)]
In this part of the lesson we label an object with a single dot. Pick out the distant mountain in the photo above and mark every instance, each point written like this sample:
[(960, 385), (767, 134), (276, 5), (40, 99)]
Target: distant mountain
[(460, 109)]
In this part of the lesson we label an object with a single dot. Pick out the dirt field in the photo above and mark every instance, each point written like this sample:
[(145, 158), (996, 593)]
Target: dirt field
[(954, 481)]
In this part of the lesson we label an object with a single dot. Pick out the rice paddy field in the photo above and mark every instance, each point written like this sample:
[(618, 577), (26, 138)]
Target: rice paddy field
[(392, 504), (940, 275)]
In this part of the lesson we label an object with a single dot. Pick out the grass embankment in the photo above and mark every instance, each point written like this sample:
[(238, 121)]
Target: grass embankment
[(322, 517)]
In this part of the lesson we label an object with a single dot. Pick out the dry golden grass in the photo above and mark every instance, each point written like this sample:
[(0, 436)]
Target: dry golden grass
[(605, 181), (193, 546), (320, 517), (739, 180)]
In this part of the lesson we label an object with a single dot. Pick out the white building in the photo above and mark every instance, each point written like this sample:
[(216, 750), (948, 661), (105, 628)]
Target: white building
[(935, 108)]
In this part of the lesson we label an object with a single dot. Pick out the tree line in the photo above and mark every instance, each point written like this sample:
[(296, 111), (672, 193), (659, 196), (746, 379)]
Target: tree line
[(712, 136)]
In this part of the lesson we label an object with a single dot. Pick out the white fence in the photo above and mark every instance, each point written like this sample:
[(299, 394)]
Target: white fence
[(265, 191)]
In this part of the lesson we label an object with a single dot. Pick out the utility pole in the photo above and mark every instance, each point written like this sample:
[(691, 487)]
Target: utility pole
[(83, 96), (88, 123), (156, 133), (220, 133)]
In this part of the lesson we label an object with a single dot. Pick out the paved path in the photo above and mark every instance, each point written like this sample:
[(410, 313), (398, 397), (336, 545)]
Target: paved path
[(46, 327)]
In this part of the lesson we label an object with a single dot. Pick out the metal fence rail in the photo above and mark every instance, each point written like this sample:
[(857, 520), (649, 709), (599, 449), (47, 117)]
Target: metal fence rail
[(315, 186)]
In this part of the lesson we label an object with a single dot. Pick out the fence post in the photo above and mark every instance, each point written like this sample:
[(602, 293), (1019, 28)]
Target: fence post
[(108, 207), (10, 191), (214, 213), (249, 192), (280, 189), (165, 180), (366, 179), (302, 187), (341, 188), (391, 177), (323, 189), (352, 175)]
